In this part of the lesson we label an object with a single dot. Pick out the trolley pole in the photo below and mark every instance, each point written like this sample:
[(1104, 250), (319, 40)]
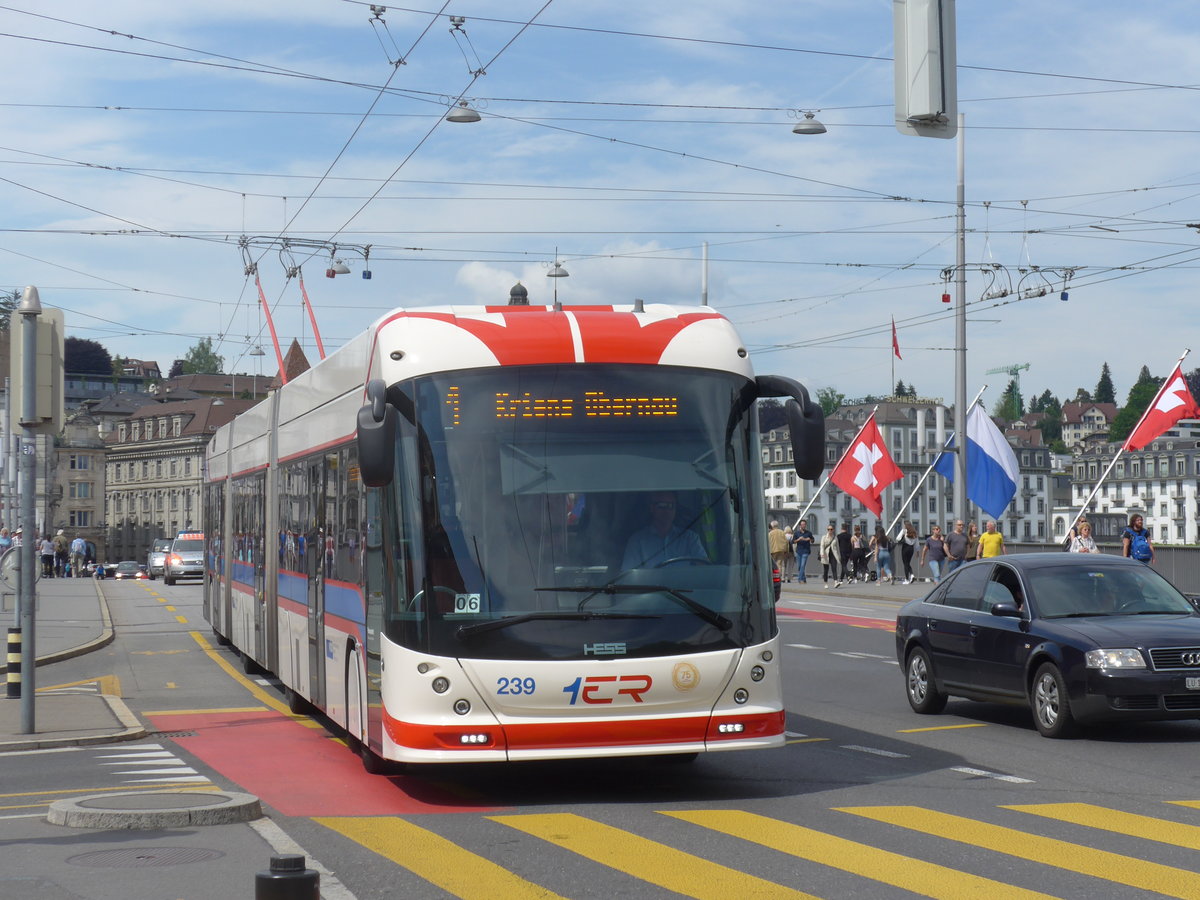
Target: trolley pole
[(29, 308)]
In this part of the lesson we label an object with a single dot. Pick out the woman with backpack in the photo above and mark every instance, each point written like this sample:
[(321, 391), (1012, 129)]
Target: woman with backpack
[(1135, 541)]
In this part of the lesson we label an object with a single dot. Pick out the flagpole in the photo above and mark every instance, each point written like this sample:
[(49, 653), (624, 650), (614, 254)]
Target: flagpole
[(816, 494), (1095, 490), (936, 459)]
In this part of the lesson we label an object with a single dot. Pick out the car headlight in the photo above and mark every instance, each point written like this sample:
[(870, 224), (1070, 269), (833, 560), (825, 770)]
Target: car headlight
[(1114, 659)]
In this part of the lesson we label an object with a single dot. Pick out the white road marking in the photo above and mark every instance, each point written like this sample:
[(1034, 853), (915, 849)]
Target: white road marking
[(890, 754), (983, 773)]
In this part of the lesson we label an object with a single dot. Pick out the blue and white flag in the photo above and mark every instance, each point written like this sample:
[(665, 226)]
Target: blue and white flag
[(991, 464)]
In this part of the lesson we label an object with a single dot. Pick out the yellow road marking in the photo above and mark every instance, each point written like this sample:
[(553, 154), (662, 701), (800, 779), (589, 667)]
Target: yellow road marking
[(941, 728), (171, 685), (181, 620), (203, 712), (170, 609), (439, 861), (648, 860), (916, 875), (1147, 827), (806, 740), (157, 652), (124, 789), (1114, 867), (107, 684), (257, 692)]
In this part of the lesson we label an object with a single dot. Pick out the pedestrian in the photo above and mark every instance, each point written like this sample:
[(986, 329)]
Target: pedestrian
[(1135, 541), (1083, 542), (829, 556), (991, 542), (778, 545), (78, 551), (6, 540), (956, 547), (972, 541), (907, 541), (882, 547), (60, 554), (46, 551), (858, 555), (844, 548), (790, 560), (802, 542), (933, 552)]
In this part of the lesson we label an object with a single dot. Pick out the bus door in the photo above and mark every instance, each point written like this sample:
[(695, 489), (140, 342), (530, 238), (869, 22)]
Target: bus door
[(323, 484)]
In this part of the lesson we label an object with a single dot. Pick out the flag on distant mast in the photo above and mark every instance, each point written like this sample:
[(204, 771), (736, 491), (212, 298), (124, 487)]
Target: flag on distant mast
[(895, 342), (1173, 402), (866, 468)]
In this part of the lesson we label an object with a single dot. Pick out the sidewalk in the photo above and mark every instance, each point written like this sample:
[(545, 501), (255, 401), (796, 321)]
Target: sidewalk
[(72, 619)]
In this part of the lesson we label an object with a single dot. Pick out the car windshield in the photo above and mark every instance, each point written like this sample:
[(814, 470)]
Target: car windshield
[(127, 567), (1084, 590), (189, 546)]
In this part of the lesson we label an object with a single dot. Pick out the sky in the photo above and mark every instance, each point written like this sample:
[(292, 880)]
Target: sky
[(153, 154)]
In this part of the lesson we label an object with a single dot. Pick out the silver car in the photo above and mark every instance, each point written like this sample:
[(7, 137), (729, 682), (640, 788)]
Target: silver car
[(157, 558), (185, 559)]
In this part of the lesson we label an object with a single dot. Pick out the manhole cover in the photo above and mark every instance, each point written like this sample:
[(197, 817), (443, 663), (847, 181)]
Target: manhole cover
[(173, 800), (144, 857)]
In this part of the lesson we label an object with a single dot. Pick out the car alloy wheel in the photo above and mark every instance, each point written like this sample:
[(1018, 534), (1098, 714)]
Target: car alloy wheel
[(1051, 707), (923, 695)]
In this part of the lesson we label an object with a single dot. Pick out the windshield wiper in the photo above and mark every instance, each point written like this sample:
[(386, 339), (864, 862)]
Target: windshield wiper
[(712, 617), (465, 631)]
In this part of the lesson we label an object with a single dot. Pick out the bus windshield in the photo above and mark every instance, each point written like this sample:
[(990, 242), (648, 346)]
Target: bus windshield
[(569, 511)]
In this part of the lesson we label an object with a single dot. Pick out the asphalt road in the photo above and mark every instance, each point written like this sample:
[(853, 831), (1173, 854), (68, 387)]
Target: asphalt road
[(866, 800)]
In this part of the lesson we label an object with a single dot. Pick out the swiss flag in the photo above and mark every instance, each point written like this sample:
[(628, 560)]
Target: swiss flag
[(866, 468), (895, 342), (1173, 402)]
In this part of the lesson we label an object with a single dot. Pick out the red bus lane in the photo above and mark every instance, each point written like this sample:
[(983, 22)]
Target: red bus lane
[(302, 770), (838, 619)]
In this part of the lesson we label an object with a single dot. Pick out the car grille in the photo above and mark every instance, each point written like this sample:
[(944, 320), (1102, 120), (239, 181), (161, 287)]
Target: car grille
[(1176, 658), (1181, 701)]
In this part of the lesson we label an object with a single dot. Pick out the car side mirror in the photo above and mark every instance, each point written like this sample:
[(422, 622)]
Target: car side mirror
[(1006, 609)]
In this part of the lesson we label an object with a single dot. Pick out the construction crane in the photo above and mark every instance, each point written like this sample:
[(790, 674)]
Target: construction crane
[(1013, 371)]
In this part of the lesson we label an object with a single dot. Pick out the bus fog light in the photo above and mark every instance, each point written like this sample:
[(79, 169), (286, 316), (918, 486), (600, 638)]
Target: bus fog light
[(423, 667), (440, 685), (462, 707), (473, 739), (731, 728), (767, 656), (757, 673), (741, 695)]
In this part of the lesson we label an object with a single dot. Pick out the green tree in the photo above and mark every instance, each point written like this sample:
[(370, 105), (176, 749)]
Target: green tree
[(1051, 423), (830, 399), (1010, 406), (201, 360), (770, 415), (1104, 392), (84, 357), (8, 303), (1141, 395), (1082, 396), (901, 389)]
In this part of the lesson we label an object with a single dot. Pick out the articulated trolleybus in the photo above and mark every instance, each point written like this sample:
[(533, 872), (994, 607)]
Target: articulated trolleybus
[(500, 533)]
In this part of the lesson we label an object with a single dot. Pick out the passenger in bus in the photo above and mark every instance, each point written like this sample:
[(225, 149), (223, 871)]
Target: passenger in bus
[(662, 540)]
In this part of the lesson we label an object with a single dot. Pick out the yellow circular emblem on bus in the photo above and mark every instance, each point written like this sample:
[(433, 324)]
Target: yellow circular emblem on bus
[(685, 676)]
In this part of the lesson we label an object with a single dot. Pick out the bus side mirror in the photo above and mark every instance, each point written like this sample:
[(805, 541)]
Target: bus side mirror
[(805, 421), (377, 436)]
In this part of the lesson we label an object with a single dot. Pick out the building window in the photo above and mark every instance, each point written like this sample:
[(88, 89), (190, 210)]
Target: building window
[(145, 469), (121, 432), (158, 468), (176, 425), (79, 490), (766, 456), (187, 465), (78, 462), (162, 427), (79, 518), (778, 454)]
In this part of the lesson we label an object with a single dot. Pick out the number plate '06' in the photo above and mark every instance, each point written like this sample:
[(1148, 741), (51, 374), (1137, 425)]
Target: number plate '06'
[(1193, 684)]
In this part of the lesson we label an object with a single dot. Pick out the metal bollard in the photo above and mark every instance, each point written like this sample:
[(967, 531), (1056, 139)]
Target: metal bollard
[(14, 663), (288, 879)]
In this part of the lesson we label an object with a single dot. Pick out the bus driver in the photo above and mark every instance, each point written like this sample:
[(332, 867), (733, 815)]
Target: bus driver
[(662, 540)]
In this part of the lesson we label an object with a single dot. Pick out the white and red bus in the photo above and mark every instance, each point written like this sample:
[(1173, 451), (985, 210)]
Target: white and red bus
[(510, 533)]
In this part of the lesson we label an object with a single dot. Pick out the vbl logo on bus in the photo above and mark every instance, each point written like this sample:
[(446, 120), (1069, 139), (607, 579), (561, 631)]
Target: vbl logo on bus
[(607, 688)]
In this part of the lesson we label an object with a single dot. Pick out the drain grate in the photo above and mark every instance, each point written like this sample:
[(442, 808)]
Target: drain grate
[(171, 734), (144, 857)]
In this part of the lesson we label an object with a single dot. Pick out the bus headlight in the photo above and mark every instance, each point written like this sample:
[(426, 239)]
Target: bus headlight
[(757, 673), (741, 695), (462, 707)]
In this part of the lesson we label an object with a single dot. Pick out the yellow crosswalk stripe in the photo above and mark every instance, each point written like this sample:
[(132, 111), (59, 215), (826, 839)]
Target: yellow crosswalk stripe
[(918, 876), (439, 861), (1147, 827), (683, 873), (1114, 867)]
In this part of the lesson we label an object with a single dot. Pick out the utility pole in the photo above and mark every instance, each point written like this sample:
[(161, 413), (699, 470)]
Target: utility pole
[(29, 308)]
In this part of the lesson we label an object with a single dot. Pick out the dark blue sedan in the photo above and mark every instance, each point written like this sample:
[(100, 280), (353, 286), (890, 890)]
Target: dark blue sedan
[(1079, 637)]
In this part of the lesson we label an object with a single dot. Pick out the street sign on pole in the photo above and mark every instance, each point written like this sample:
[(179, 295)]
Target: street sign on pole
[(926, 68), (48, 370)]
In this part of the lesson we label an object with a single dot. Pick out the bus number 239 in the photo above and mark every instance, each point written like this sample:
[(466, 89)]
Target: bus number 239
[(600, 688)]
